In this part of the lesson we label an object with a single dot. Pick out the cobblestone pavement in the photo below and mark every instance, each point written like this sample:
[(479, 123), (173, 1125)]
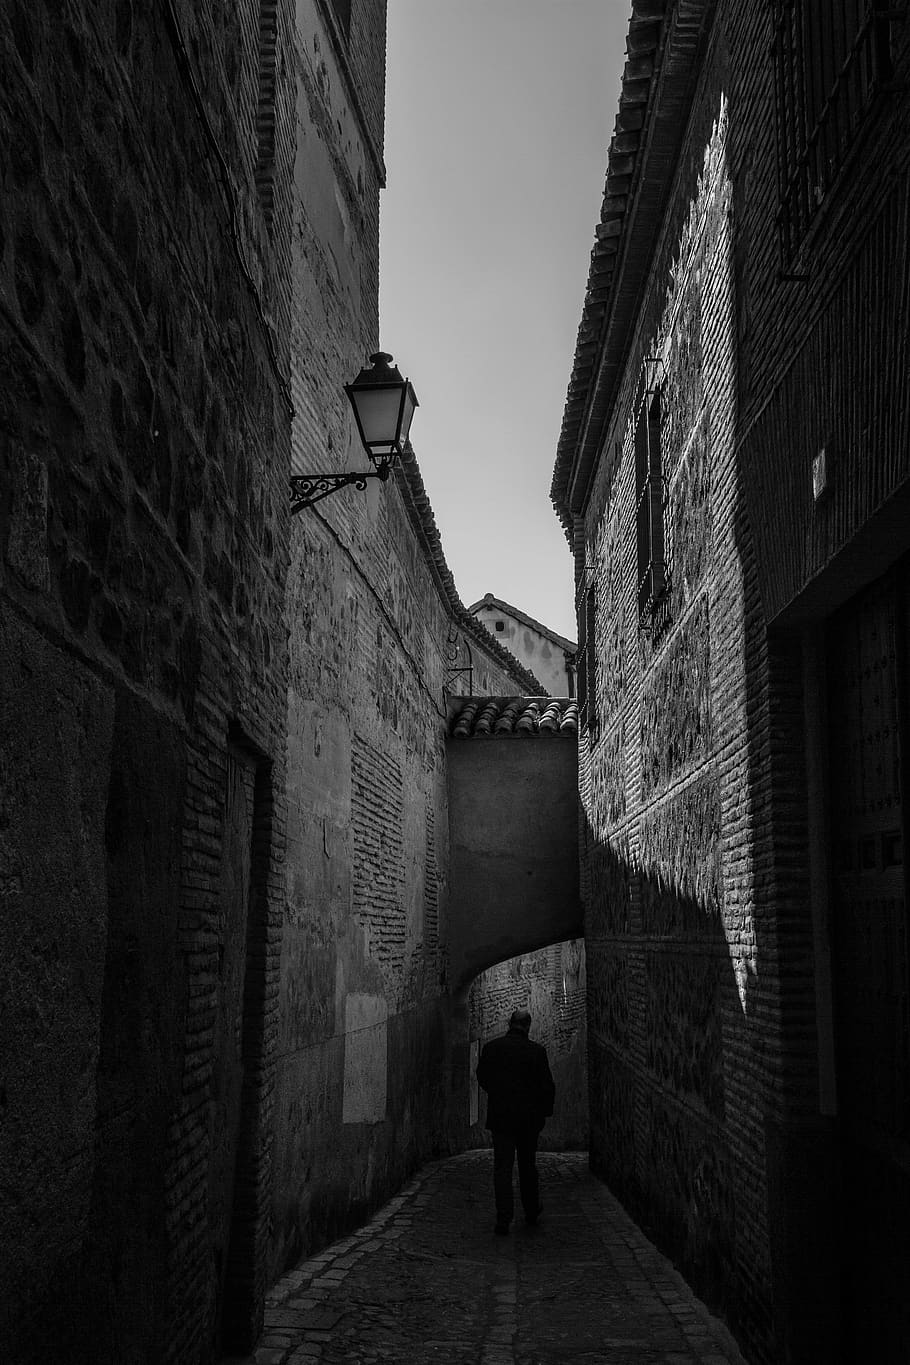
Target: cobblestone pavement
[(426, 1280)]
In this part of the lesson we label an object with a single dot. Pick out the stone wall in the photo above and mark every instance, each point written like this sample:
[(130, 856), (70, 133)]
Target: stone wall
[(366, 1087), (673, 954), (377, 635), (821, 343), (219, 1046), (145, 420), (706, 851)]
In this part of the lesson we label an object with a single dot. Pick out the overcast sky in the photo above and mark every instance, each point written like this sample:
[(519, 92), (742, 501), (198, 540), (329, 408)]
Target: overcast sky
[(498, 119)]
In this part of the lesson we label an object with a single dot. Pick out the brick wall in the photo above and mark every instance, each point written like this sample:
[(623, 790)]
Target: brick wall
[(840, 298), (197, 1020), (671, 957), (821, 347), (366, 1089), (364, 1083), (709, 1012), (145, 447)]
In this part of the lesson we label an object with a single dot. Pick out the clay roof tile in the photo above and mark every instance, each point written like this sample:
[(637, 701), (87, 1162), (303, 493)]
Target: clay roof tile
[(510, 714), (484, 723), (500, 717)]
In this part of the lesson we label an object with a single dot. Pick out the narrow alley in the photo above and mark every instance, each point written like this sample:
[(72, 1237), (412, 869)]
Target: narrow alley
[(293, 835), (426, 1280)]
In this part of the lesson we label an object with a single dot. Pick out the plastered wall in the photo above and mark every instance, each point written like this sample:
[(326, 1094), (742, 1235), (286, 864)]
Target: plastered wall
[(534, 648)]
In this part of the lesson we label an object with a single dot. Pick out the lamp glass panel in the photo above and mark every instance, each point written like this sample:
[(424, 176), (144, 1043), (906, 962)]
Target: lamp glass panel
[(378, 412), (410, 404)]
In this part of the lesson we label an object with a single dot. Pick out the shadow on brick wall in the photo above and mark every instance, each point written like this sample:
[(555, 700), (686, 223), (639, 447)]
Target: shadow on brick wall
[(666, 1025)]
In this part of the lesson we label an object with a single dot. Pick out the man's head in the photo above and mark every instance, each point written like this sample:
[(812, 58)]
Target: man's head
[(521, 1019)]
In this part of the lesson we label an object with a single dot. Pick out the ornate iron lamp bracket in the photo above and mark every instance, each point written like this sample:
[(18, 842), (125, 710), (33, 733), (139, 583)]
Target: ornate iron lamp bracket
[(307, 489), (383, 405)]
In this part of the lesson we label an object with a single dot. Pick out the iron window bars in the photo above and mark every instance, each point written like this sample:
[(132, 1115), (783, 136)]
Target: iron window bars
[(830, 58), (586, 657), (649, 509)]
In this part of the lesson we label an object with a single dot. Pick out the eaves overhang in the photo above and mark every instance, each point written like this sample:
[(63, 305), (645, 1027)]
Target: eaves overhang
[(420, 513), (664, 48)]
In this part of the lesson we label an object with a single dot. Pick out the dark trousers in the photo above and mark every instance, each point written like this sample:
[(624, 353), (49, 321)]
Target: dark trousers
[(506, 1146)]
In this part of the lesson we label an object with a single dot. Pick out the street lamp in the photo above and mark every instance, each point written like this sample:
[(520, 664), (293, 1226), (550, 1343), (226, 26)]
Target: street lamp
[(383, 406)]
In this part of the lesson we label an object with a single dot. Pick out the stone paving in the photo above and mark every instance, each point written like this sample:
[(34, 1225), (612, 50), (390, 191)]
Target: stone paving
[(426, 1280)]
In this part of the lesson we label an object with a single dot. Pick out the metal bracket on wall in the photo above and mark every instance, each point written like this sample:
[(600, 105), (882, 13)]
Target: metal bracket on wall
[(585, 576), (307, 489)]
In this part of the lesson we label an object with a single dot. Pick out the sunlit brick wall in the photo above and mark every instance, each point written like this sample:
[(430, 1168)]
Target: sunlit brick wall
[(671, 942), (708, 1113)]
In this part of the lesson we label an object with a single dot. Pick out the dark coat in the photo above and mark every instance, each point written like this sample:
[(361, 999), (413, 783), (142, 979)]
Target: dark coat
[(515, 1073)]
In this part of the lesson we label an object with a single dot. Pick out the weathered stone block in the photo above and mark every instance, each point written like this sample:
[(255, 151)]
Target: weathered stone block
[(608, 893), (609, 994), (675, 710), (688, 520), (681, 863), (687, 1184), (684, 998)]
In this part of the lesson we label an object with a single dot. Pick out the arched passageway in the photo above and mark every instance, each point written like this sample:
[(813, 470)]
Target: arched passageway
[(551, 984), (513, 820)]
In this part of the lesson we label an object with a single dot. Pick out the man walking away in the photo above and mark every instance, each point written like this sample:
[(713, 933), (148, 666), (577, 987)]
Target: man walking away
[(515, 1073)]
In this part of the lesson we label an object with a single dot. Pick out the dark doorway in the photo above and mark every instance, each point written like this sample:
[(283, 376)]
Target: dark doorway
[(870, 746)]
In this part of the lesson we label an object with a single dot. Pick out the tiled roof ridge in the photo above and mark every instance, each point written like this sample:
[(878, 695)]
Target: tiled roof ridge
[(417, 503), (493, 717), (661, 47), (490, 601)]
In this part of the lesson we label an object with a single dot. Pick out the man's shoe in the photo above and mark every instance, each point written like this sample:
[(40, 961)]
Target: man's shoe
[(501, 1229), (532, 1219)]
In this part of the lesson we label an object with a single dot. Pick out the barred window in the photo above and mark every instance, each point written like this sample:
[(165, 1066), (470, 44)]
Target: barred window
[(570, 673), (586, 680), (830, 57), (649, 508)]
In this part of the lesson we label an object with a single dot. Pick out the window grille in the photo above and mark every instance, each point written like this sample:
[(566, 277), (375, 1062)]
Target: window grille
[(649, 509), (570, 674), (591, 655), (830, 57), (586, 680)]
